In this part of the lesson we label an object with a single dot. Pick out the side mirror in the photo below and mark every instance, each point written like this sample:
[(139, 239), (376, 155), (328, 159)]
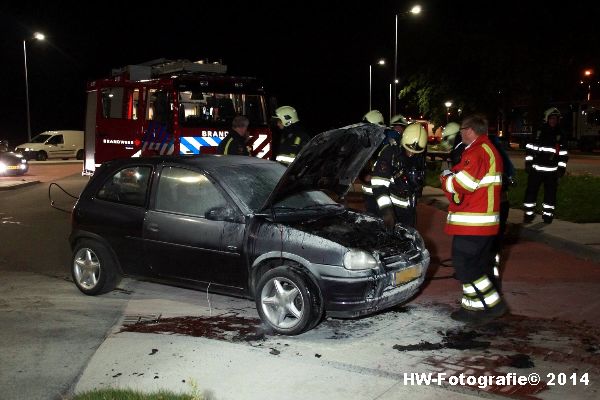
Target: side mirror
[(221, 214)]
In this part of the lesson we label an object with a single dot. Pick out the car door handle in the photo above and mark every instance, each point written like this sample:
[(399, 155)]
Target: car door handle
[(153, 227), (232, 248)]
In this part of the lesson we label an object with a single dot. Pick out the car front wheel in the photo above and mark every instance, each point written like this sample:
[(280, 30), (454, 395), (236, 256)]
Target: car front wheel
[(93, 268), (285, 302)]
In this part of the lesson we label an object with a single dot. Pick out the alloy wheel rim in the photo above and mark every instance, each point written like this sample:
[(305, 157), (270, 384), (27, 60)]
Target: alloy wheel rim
[(282, 303), (86, 267)]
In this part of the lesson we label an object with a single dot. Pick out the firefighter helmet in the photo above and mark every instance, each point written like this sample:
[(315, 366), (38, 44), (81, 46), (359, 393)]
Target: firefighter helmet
[(374, 117), (414, 138), (553, 111), (398, 120), (287, 115), (450, 130)]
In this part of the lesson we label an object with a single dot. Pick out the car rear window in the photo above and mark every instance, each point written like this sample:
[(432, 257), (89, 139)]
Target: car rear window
[(127, 186)]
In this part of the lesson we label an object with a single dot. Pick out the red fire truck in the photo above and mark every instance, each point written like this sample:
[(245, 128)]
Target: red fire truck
[(170, 107)]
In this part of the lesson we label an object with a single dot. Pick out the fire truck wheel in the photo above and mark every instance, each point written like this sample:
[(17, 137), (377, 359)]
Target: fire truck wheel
[(93, 269), (42, 156), (286, 302), (79, 155)]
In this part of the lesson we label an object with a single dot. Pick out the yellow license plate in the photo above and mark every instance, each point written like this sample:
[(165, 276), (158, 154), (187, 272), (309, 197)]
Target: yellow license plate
[(12, 167), (408, 274)]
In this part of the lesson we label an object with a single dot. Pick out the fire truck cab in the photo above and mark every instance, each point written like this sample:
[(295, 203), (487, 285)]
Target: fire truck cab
[(170, 107)]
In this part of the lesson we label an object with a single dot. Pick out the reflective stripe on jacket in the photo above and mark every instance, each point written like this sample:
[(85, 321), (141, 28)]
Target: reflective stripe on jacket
[(474, 190), (547, 151)]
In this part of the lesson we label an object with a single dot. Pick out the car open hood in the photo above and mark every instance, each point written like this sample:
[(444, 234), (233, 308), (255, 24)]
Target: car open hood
[(331, 160)]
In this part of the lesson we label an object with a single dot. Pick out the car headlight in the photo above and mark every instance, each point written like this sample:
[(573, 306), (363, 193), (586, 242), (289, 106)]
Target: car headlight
[(2, 167), (359, 259)]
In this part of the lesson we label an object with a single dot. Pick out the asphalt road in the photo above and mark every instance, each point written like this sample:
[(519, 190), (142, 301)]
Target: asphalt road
[(49, 330)]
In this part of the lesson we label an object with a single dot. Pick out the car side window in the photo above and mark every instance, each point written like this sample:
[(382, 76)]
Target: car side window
[(187, 192), (127, 186)]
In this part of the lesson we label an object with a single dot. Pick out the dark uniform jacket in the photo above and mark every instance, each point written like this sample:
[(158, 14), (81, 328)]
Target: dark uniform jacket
[(293, 138), (233, 144), (397, 177), (547, 152)]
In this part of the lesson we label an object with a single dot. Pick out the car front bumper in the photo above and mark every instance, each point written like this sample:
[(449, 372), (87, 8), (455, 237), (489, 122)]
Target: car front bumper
[(13, 170), (347, 297)]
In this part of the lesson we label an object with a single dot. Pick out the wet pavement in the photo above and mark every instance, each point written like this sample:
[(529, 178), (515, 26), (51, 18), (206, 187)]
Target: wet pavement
[(231, 355)]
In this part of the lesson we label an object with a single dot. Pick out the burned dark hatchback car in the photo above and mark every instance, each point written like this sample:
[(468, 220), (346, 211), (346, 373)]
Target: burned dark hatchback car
[(248, 227)]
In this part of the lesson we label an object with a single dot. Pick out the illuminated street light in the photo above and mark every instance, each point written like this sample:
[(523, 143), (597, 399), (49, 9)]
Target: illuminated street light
[(448, 104), (588, 73), (381, 61), (36, 36), (415, 10)]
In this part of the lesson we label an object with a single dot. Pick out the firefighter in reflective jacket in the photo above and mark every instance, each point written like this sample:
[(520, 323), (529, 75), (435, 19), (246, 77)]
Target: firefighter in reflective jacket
[(508, 178), (545, 161), (473, 189), (293, 136), (372, 117), (398, 175)]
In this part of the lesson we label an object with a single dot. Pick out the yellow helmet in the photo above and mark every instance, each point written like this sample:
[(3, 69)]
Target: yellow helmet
[(374, 117), (553, 111), (414, 138), (398, 119), (450, 130), (287, 115)]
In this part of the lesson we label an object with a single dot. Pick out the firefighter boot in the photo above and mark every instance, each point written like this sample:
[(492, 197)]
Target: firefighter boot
[(496, 311), (469, 316), (479, 302), (528, 218)]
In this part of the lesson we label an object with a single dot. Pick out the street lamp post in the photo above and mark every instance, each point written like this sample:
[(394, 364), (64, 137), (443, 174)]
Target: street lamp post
[(588, 74), (379, 62), (415, 10), (448, 104), (37, 36)]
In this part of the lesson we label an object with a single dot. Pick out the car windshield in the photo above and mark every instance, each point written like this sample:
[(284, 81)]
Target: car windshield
[(40, 138), (253, 184)]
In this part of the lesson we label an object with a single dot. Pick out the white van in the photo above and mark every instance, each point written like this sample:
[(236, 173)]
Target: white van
[(53, 144)]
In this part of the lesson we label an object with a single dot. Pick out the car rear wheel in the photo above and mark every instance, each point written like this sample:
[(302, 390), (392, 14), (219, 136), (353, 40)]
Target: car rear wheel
[(79, 155), (285, 302), (42, 156), (93, 268)]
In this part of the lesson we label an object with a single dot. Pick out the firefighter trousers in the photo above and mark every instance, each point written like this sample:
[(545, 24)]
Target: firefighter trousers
[(534, 181), (471, 256)]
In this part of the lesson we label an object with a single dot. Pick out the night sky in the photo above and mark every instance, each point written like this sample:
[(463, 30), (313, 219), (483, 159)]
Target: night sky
[(314, 56)]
